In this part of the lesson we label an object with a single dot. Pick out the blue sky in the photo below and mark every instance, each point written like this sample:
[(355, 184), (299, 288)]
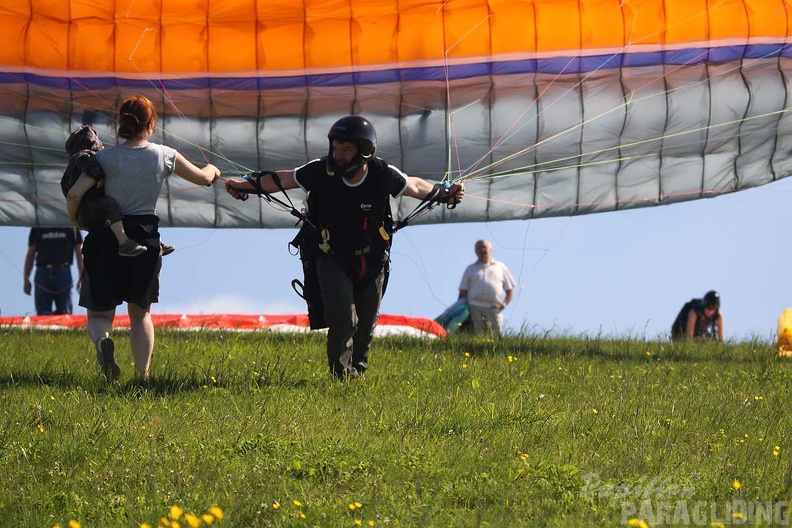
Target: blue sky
[(615, 274)]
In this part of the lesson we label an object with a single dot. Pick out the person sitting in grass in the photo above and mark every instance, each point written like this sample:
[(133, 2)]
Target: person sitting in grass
[(700, 320)]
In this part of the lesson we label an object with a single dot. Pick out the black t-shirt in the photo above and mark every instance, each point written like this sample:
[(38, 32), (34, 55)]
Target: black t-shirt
[(54, 245), (352, 214)]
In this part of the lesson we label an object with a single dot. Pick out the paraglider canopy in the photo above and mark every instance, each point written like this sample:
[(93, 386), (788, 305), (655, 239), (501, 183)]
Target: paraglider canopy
[(542, 108)]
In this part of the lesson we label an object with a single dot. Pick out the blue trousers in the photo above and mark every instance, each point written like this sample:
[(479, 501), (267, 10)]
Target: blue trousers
[(53, 286)]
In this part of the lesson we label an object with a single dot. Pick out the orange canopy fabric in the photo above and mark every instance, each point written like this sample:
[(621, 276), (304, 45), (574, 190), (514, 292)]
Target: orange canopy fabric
[(249, 37)]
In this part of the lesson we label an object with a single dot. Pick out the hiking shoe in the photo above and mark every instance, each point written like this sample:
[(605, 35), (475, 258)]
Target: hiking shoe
[(361, 368), (105, 355), (130, 248), (167, 249), (341, 373)]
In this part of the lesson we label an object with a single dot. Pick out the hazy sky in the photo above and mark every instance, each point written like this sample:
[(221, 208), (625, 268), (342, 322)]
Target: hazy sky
[(617, 274)]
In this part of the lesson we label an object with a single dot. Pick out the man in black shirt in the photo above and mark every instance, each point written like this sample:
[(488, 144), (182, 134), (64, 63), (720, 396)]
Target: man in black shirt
[(349, 194), (53, 249)]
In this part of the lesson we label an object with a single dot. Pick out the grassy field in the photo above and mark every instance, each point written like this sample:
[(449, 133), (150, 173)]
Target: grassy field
[(523, 431)]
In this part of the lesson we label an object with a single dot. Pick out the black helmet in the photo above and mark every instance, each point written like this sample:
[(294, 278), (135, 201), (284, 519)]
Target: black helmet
[(357, 130), (711, 298)]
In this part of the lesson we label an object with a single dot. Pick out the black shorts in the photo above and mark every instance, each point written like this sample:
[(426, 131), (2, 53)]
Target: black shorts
[(96, 212), (109, 279)]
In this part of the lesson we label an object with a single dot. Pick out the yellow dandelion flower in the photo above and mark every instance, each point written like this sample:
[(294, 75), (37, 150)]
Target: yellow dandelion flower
[(74, 524), (717, 525), (352, 506), (192, 520), (57, 526), (510, 358), (217, 512), (208, 519), (777, 448), (737, 515), (275, 505), (464, 365), (358, 522), (371, 523), (648, 352), (775, 452), (41, 428), (302, 515), (214, 380), (439, 369), (595, 411), (297, 503), (637, 523), (164, 521), (358, 504), (175, 512), (52, 398), (145, 525), (736, 484), (467, 354)]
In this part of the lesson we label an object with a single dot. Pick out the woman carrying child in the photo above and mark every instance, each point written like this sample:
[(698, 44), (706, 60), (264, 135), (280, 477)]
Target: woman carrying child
[(135, 170)]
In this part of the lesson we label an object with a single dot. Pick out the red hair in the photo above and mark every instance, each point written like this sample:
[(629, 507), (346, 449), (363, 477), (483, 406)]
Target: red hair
[(136, 115)]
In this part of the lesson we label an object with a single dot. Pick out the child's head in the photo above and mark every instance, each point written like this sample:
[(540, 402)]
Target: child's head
[(84, 138), (136, 115)]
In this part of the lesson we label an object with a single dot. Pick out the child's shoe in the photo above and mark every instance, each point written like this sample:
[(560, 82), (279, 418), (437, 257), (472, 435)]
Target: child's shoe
[(130, 248)]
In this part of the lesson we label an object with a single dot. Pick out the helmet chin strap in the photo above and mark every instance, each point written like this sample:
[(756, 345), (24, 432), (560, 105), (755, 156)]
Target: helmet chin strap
[(347, 171)]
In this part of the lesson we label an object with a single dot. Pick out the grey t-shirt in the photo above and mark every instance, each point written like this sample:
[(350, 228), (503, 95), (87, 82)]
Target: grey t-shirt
[(134, 176)]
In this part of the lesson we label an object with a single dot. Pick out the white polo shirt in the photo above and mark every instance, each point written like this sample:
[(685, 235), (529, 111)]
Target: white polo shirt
[(486, 284)]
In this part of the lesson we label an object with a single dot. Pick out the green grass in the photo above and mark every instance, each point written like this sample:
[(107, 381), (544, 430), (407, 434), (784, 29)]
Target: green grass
[(523, 431)]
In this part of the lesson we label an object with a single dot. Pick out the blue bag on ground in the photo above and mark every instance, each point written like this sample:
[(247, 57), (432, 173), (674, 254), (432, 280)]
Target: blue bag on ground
[(455, 317)]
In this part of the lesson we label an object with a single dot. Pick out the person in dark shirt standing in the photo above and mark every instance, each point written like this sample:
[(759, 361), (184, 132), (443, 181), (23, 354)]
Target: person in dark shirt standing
[(349, 193), (53, 249)]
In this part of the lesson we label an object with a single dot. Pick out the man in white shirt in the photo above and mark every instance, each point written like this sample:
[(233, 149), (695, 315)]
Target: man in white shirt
[(488, 287)]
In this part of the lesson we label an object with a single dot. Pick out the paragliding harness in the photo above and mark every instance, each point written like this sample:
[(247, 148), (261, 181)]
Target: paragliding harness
[(311, 242), (679, 327)]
